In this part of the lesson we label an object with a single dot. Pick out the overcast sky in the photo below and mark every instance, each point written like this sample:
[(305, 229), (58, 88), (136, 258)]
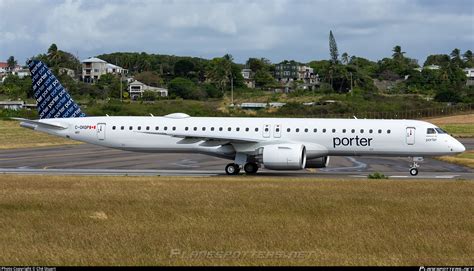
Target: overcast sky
[(277, 30)]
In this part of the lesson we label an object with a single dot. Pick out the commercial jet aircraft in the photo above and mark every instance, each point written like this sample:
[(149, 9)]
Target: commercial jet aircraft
[(251, 143)]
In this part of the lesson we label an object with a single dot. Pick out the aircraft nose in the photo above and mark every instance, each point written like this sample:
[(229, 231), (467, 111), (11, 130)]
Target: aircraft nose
[(458, 147)]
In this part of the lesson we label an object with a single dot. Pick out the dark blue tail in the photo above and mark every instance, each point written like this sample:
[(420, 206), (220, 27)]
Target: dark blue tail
[(53, 99)]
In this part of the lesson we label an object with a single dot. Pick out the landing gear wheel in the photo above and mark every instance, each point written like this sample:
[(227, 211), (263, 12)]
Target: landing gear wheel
[(413, 171), (251, 168), (232, 169)]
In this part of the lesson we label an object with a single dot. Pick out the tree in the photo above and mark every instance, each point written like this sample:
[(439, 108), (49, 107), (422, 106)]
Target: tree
[(468, 59), (345, 58), (397, 52), (183, 68), (185, 88), (263, 79), (467, 56), (333, 48), (256, 64), (456, 58), (150, 78), (11, 63), (440, 60), (219, 71), (149, 95), (53, 55)]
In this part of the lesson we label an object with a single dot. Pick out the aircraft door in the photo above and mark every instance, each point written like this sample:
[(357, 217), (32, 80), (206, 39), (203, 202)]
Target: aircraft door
[(277, 131), (101, 131), (410, 135), (266, 130)]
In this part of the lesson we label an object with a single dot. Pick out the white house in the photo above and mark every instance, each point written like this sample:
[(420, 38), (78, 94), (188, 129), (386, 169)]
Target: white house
[(12, 105), (137, 88), (470, 76), (93, 68)]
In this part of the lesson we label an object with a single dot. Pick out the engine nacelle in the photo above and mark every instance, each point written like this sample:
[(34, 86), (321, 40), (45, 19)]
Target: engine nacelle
[(284, 156), (320, 162)]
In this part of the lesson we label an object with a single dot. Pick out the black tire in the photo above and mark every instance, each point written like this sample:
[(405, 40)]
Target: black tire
[(251, 168), (413, 171), (232, 169)]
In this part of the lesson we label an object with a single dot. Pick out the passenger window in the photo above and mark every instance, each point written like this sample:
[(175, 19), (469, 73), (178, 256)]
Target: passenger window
[(186, 128), (343, 131), (266, 129), (212, 128), (380, 131), (371, 131), (166, 128), (237, 129), (297, 130), (333, 130), (220, 128), (288, 130), (256, 129), (324, 130), (148, 128), (277, 130), (121, 128), (388, 131), (204, 128), (195, 128), (174, 128), (315, 130), (353, 131), (431, 131), (229, 129), (247, 129), (130, 128), (306, 130), (157, 128), (361, 131), (113, 127), (139, 128)]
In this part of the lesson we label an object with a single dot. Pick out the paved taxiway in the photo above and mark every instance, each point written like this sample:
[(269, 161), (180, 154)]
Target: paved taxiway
[(88, 159)]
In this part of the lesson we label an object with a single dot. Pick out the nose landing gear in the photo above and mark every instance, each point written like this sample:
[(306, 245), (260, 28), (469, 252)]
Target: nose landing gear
[(414, 165)]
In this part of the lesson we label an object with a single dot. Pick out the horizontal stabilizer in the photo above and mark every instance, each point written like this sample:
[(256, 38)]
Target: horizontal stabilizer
[(36, 123)]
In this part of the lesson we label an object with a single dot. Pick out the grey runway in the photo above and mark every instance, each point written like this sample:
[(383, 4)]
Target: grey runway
[(89, 160)]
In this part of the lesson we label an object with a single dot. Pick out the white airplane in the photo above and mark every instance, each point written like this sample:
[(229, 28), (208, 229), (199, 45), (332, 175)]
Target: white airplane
[(251, 143)]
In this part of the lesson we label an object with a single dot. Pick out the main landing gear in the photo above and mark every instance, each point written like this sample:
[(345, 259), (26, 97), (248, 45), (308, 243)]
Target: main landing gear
[(234, 169), (414, 165)]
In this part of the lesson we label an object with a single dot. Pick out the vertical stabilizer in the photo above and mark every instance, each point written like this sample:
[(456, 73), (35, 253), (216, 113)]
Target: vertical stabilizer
[(53, 99)]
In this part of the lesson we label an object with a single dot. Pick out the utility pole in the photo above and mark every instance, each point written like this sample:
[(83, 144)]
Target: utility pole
[(351, 82), (232, 90)]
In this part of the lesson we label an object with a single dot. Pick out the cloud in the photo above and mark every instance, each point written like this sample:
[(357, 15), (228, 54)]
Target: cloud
[(276, 29)]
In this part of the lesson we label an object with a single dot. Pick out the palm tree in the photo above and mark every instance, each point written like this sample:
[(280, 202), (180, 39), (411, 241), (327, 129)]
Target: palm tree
[(53, 54), (456, 54), (345, 58), (467, 56), (397, 52)]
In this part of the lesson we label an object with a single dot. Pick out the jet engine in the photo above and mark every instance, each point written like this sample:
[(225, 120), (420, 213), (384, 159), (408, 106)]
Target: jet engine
[(320, 162), (284, 156)]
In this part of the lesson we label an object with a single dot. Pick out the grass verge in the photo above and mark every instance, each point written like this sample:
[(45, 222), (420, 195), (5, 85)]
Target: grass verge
[(55, 220), (466, 159), (12, 136)]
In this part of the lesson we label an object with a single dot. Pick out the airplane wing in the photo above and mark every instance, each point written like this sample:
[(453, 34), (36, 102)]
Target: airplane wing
[(36, 123), (210, 140)]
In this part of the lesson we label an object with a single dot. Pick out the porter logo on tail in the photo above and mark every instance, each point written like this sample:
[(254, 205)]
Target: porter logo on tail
[(53, 99)]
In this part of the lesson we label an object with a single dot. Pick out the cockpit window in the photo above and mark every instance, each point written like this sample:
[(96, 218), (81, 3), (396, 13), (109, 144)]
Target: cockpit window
[(431, 131), (441, 131)]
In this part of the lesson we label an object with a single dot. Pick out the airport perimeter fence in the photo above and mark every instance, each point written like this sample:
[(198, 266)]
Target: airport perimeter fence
[(459, 109)]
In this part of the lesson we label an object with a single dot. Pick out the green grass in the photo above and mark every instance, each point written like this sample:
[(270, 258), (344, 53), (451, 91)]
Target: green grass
[(13, 136), (459, 130), (56, 220)]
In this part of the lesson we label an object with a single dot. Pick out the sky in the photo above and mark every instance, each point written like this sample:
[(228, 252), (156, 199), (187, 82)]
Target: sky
[(275, 29)]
